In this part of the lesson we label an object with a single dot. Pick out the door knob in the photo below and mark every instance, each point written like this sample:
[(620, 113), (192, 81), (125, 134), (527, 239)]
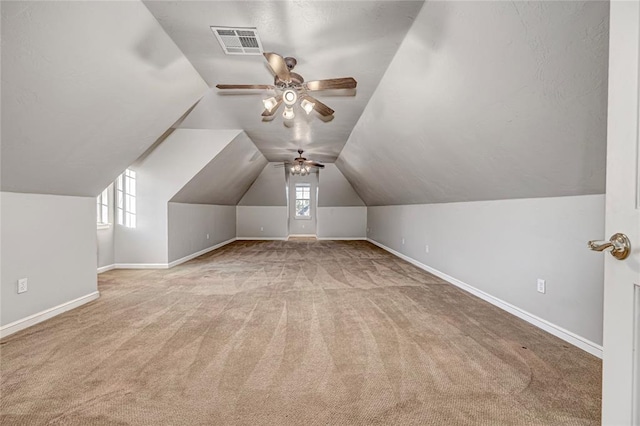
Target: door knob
[(619, 246)]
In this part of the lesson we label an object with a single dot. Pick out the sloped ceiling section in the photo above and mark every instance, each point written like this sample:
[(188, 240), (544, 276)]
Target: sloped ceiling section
[(487, 100), (334, 190), (226, 178), (328, 38), (86, 88), (268, 189)]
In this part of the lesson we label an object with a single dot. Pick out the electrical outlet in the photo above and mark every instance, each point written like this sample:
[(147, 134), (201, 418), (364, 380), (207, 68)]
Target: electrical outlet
[(22, 285), (426, 249), (207, 236), (403, 241), (262, 228), (542, 286)]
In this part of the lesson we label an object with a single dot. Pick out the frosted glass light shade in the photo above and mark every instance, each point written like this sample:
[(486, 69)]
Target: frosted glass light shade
[(288, 113), (270, 103), (307, 106)]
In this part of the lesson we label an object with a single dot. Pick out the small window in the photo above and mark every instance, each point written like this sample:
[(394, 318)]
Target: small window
[(303, 200), (126, 199), (102, 208)]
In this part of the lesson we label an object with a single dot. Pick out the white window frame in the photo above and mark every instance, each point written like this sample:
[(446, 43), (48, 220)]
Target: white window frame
[(307, 187), (125, 196), (102, 210)]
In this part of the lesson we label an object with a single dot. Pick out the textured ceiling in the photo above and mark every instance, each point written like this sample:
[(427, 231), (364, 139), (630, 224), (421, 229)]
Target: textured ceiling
[(329, 40), (86, 88), (507, 100)]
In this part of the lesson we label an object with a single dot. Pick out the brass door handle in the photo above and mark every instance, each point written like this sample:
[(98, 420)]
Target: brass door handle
[(618, 243)]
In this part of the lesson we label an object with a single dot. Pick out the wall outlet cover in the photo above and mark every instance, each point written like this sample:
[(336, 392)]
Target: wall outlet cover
[(542, 286), (22, 285)]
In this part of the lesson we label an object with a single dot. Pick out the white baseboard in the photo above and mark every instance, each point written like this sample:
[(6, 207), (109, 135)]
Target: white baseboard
[(343, 238), (261, 238), (106, 268), (199, 253), (566, 335), (175, 262), (141, 266), (34, 319), (302, 236)]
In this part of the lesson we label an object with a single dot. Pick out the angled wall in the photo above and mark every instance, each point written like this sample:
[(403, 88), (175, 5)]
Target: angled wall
[(262, 211), (341, 212), (160, 175), (87, 87), (487, 101)]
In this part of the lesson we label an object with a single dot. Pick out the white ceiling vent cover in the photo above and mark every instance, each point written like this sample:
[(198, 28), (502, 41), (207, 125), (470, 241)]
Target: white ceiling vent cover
[(238, 41)]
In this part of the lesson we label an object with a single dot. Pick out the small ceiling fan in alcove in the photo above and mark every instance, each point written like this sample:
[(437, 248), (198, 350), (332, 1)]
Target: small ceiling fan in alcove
[(292, 90), (300, 165)]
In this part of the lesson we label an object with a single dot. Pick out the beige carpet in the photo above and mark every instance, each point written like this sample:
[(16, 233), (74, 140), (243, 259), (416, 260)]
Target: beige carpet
[(307, 333)]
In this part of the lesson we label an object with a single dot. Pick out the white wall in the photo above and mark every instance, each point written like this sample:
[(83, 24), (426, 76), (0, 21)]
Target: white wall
[(335, 190), (257, 222), (341, 212), (106, 237), (51, 240), (197, 227), (269, 189), (503, 247), (262, 211), (342, 222)]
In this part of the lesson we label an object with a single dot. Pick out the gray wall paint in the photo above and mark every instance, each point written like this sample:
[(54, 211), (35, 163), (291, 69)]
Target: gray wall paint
[(227, 177), (508, 100), (335, 189), (269, 189), (503, 247), (190, 224), (160, 175), (87, 87), (342, 222), (51, 240), (261, 222), (106, 237), (303, 226)]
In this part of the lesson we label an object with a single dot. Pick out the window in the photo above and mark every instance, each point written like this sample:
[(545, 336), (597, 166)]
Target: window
[(126, 199), (102, 208), (303, 200)]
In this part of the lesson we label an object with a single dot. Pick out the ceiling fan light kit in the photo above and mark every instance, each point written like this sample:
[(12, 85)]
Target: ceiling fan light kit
[(300, 165), (293, 88), (307, 106)]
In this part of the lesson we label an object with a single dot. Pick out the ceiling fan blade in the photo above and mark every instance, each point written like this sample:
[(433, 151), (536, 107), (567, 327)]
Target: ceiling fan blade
[(319, 106), (279, 67), (245, 86), (332, 83), (315, 164), (269, 113)]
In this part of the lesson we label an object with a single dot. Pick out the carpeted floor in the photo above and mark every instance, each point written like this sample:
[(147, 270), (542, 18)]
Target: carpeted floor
[(298, 332)]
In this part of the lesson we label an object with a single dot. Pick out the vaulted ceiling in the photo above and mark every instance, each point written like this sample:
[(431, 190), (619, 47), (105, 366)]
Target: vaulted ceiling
[(456, 101), (329, 39)]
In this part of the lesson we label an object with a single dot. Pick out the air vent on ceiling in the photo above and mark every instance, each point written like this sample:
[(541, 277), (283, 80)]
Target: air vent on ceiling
[(238, 41)]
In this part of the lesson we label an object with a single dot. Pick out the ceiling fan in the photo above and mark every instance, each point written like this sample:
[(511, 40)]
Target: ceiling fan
[(291, 88), (300, 165)]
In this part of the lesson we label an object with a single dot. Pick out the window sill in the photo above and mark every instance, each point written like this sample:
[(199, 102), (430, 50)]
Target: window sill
[(104, 226), (303, 217)]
